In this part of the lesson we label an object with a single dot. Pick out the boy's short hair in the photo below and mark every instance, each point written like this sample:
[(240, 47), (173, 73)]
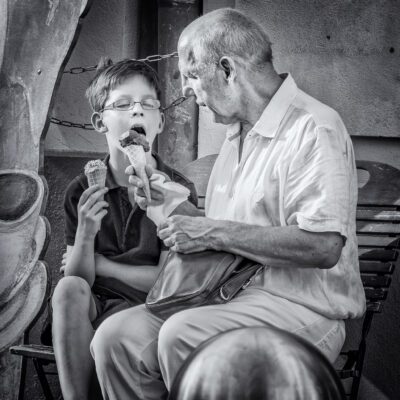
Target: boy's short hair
[(110, 75)]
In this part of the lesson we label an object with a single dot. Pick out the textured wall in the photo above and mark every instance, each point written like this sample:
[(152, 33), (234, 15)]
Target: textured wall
[(345, 53), (110, 30)]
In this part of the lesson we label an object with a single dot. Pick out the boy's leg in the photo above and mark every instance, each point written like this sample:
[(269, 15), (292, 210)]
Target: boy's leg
[(73, 310), (124, 348), (185, 331)]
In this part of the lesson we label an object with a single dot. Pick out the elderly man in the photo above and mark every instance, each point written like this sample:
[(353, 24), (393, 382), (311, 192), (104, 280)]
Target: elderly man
[(282, 192)]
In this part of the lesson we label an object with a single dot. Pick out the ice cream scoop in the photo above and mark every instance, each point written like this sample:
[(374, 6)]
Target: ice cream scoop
[(96, 172), (134, 146), (134, 137)]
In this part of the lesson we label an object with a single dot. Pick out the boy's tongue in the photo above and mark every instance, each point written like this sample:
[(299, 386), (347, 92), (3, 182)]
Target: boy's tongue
[(135, 138)]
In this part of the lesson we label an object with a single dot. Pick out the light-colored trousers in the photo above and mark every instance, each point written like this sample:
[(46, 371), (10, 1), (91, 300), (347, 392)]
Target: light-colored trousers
[(137, 355)]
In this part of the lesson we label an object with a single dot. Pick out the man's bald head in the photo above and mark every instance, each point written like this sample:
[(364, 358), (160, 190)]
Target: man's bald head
[(225, 32)]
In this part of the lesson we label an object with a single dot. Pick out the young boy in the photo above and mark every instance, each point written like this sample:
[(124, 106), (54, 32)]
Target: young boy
[(113, 252)]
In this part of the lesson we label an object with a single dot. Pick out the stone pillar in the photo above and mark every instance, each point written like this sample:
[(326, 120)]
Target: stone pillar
[(178, 143)]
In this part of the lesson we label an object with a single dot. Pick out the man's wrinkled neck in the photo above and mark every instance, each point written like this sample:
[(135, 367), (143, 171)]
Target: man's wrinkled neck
[(258, 90)]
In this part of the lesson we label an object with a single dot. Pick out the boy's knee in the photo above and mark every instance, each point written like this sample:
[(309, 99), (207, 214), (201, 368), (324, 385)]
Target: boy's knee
[(71, 290)]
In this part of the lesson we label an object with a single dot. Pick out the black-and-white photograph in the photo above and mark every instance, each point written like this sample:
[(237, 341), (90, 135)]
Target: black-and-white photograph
[(199, 200)]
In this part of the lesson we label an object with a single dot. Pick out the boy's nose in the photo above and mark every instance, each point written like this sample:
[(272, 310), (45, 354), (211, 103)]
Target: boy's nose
[(137, 110), (137, 113)]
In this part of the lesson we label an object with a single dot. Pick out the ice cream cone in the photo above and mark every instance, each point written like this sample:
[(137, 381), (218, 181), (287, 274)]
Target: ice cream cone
[(137, 158), (96, 172)]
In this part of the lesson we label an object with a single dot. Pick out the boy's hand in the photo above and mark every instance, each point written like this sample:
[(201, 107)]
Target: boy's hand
[(157, 196), (91, 210), (63, 263)]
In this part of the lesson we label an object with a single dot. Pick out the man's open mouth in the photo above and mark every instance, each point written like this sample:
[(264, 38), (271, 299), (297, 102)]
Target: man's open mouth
[(139, 129)]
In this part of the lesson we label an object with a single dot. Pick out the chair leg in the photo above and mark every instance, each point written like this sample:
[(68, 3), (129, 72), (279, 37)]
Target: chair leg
[(22, 379), (43, 380), (361, 355)]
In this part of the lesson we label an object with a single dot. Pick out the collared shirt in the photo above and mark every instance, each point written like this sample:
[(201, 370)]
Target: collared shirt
[(126, 234), (297, 168)]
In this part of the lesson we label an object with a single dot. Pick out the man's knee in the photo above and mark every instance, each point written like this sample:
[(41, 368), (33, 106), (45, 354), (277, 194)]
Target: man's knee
[(71, 291), (175, 334), (104, 340), (111, 343)]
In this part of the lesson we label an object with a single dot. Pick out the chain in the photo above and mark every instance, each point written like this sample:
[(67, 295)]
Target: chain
[(153, 58), (69, 124), (80, 70)]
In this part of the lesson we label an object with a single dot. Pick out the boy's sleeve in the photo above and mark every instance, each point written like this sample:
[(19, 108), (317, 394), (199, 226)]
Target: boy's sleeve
[(71, 200)]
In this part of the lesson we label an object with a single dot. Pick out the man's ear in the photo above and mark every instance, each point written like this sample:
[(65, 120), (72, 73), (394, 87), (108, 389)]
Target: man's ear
[(98, 123), (227, 64), (162, 122)]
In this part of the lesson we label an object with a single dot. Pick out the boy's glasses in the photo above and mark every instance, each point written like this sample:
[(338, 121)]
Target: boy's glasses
[(126, 104), (147, 104)]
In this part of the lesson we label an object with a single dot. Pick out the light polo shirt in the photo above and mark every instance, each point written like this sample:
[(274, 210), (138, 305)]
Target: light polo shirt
[(297, 168)]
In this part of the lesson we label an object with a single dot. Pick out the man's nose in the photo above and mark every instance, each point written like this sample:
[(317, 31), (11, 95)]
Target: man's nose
[(187, 91), (186, 88)]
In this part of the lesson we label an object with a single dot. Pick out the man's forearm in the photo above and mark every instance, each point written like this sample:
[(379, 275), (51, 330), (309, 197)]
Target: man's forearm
[(278, 246), (81, 261)]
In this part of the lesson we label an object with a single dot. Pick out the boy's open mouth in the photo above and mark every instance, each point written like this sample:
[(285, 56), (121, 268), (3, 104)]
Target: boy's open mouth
[(139, 129)]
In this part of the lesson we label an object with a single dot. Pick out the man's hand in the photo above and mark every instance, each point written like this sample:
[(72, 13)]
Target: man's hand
[(91, 210), (157, 195), (188, 234)]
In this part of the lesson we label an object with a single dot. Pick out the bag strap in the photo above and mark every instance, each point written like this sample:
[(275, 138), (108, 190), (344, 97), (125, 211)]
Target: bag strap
[(239, 281)]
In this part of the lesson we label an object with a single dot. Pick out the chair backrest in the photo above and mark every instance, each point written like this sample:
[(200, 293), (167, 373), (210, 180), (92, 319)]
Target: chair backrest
[(378, 228), (378, 221)]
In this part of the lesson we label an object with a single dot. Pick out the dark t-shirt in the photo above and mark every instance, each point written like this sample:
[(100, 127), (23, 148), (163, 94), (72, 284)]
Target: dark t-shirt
[(126, 234)]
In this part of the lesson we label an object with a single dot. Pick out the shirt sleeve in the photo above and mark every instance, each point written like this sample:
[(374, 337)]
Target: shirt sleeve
[(317, 191), (71, 199)]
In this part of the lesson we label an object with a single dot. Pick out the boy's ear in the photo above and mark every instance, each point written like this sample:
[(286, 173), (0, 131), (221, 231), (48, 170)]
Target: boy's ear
[(98, 123), (162, 122)]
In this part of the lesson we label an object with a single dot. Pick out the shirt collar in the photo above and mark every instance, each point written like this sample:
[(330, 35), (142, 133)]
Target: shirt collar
[(233, 131), (110, 181), (272, 116)]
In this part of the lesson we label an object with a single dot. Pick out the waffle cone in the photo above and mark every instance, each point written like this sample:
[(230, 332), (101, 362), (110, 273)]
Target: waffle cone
[(136, 155), (97, 177), (137, 158)]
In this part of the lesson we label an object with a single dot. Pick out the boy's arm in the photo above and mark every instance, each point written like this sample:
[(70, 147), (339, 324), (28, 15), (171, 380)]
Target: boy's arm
[(140, 277), (80, 259)]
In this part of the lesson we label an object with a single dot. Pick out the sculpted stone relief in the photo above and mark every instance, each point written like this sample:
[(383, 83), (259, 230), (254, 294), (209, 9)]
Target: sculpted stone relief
[(35, 40)]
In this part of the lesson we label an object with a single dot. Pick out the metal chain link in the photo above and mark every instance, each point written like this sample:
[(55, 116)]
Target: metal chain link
[(69, 124), (81, 70), (152, 58)]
